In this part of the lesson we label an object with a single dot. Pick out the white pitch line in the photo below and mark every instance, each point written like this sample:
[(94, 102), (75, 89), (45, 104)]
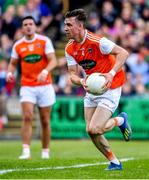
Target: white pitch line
[(6, 171)]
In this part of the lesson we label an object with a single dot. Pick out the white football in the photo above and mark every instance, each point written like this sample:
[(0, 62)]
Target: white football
[(95, 82)]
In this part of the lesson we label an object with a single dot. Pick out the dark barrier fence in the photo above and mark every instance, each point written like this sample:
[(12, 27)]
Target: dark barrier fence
[(68, 119)]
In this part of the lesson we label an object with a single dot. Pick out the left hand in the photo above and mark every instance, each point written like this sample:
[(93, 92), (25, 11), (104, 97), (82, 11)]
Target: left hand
[(84, 85), (42, 77)]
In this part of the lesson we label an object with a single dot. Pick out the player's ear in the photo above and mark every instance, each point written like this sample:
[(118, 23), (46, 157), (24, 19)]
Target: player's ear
[(80, 25)]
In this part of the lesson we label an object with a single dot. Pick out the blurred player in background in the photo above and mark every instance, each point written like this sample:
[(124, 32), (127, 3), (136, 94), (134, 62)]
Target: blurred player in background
[(36, 55), (96, 53)]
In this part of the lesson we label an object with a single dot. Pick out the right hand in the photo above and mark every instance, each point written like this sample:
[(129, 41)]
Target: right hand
[(42, 77), (10, 77), (109, 79)]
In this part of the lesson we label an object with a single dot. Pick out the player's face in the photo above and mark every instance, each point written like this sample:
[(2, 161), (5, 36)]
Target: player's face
[(28, 27), (72, 27)]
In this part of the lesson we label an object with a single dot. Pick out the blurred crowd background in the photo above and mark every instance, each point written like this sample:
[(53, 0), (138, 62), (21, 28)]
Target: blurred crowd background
[(125, 22)]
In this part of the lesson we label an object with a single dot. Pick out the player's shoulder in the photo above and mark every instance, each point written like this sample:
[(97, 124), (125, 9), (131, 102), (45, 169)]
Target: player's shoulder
[(94, 37), (19, 42), (42, 37)]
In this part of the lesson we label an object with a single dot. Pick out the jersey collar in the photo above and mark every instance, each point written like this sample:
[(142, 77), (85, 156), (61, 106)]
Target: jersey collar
[(26, 40)]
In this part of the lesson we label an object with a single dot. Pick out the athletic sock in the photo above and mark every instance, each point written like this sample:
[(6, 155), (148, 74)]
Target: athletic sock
[(112, 158), (26, 149), (45, 153), (118, 121), (115, 161)]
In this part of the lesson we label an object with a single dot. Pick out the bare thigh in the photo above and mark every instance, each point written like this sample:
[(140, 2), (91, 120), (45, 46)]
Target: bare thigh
[(28, 110), (45, 114), (99, 119), (88, 112)]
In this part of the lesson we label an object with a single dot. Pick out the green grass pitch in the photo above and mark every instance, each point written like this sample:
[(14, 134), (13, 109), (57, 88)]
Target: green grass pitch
[(74, 159)]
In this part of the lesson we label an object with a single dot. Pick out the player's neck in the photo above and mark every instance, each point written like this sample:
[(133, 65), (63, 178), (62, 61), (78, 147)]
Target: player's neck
[(81, 36), (30, 37)]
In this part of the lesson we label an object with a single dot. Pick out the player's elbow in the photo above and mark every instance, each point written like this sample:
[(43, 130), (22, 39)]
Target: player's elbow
[(126, 54), (55, 64)]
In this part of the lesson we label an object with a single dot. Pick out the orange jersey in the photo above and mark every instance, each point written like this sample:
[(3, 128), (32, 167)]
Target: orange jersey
[(32, 57), (88, 55)]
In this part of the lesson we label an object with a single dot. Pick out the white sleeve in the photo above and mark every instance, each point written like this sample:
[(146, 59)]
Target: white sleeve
[(14, 54), (106, 45), (70, 60), (49, 46)]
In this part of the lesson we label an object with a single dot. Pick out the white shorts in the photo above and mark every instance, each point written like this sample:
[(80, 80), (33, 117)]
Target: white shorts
[(108, 100), (43, 96)]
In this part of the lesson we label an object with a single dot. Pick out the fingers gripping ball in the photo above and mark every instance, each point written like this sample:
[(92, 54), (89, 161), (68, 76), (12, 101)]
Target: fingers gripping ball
[(95, 83)]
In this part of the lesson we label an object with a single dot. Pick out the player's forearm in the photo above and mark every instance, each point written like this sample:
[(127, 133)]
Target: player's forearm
[(11, 67), (75, 79), (10, 71), (120, 60), (51, 65)]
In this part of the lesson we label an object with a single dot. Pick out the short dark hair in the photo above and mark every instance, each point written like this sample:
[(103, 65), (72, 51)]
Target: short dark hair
[(80, 15), (28, 17)]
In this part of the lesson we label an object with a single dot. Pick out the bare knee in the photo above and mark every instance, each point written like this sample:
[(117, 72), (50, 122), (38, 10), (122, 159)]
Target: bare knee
[(45, 120), (95, 129), (28, 116), (45, 123)]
